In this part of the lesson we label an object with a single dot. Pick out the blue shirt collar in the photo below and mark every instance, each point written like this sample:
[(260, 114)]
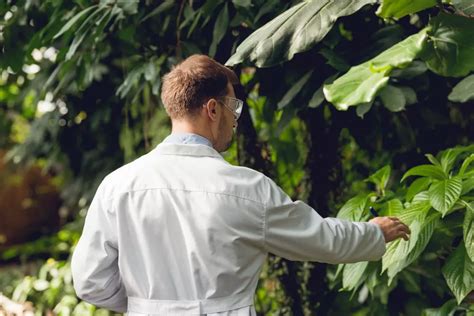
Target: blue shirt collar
[(187, 138)]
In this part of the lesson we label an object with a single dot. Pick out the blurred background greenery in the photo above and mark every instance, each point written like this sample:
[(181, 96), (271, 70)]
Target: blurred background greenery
[(342, 99)]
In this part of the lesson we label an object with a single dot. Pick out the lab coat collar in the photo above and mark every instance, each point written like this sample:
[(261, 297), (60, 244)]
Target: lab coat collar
[(187, 150)]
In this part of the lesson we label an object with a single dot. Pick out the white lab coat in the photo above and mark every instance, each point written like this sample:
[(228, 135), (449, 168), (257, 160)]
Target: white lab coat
[(180, 231)]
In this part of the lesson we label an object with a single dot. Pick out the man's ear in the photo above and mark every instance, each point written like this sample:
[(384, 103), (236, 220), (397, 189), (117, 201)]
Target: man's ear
[(212, 109)]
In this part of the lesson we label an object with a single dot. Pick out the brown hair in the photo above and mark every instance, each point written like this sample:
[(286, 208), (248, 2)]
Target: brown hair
[(192, 83)]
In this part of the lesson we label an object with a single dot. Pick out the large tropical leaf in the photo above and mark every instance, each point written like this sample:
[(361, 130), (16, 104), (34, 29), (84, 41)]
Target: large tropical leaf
[(449, 52), (444, 194), (468, 231), (431, 171), (296, 30), (400, 8), (463, 91), (401, 253), (354, 209), (362, 83), (352, 275), (465, 6), (417, 186), (459, 273)]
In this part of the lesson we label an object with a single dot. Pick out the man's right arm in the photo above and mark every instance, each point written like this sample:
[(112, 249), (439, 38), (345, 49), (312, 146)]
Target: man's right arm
[(294, 230)]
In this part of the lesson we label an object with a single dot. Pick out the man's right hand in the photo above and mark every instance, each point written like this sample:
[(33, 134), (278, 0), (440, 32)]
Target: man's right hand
[(392, 228)]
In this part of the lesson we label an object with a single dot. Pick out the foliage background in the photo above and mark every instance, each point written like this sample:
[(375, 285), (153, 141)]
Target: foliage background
[(336, 91)]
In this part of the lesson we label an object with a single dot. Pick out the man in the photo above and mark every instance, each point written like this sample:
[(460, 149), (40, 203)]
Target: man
[(180, 231)]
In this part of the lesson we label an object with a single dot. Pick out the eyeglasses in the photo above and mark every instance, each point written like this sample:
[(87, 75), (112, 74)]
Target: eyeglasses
[(233, 104)]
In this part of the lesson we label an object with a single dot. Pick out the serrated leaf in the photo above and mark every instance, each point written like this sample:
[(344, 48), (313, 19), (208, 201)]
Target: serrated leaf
[(393, 98), (449, 49), (468, 231), (220, 28), (459, 273), (296, 30), (463, 91), (294, 90), (434, 172), (417, 186), (354, 209), (352, 275), (400, 8), (401, 253), (362, 83), (444, 194), (73, 21)]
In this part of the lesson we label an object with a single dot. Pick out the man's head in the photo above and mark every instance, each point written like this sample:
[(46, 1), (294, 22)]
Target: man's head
[(199, 97)]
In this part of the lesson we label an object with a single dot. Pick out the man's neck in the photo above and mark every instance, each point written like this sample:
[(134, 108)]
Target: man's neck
[(185, 127)]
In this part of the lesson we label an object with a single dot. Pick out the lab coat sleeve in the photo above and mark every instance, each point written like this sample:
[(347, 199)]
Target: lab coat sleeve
[(95, 272), (294, 230)]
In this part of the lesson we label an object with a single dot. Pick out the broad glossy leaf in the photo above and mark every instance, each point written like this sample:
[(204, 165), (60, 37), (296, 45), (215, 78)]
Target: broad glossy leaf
[(296, 30), (434, 172), (400, 8), (468, 231), (448, 156), (459, 273), (352, 275), (417, 186), (415, 69), (463, 91), (393, 98), (354, 209), (362, 83), (465, 165), (467, 185), (449, 49), (444, 194)]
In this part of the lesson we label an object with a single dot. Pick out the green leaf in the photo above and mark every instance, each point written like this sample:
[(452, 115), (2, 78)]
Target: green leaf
[(242, 3), (73, 21), (354, 209), (444, 194), (415, 69), (352, 275), (417, 186), (465, 6), (317, 98), (363, 108), (459, 273), (334, 60), (448, 51), (447, 309), (401, 253), (410, 95), (434, 172), (463, 91), (380, 177), (467, 186), (394, 208), (296, 30), (433, 160), (393, 98), (465, 165), (294, 90), (220, 28), (399, 8), (362, 83), (468, 231), (165, 6)]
